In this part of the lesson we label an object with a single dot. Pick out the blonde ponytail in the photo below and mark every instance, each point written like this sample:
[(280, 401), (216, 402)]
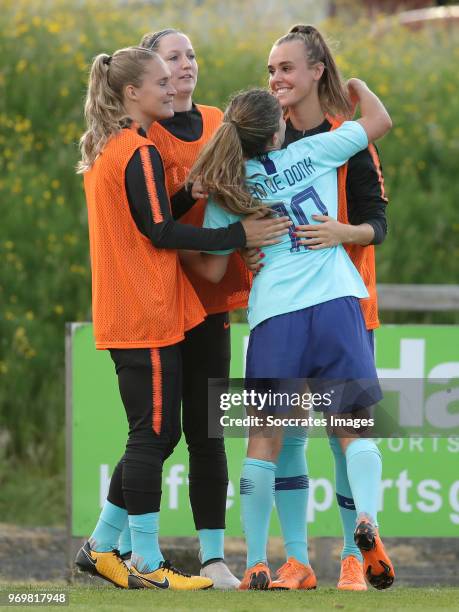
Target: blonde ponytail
[(104, 108)]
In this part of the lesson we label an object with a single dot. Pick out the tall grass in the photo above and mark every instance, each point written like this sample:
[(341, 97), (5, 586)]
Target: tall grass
[(45, 52)]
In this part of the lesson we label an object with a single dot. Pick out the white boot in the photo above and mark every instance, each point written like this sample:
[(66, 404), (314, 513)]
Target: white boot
[(220, 575)]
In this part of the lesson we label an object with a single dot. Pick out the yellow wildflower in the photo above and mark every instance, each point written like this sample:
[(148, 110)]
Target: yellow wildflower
[(21, 66), (54, 27)]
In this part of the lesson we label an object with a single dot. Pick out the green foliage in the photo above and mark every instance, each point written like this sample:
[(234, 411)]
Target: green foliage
[(414, 74), (46, 49), (32, 496)]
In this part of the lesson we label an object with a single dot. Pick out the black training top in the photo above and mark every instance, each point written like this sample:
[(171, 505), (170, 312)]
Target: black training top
[(169, 233), (185, 125)]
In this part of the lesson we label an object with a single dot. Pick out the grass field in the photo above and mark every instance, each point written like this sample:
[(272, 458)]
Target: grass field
[(108, 599)]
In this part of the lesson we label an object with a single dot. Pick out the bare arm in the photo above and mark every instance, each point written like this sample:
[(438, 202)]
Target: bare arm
[(375, 119), (366, 208), (330, 232), (213, 267), (210, 267)]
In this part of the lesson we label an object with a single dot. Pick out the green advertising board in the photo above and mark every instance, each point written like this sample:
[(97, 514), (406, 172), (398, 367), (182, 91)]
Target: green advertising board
[(420, 492)]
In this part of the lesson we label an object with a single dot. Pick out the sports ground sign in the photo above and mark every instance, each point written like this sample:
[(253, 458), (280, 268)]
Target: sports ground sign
[(420, 492)]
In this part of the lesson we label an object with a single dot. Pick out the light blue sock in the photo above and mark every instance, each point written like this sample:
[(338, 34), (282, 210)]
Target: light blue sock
[(257, 497), (345, 501), (124, 543), (212, 544), (291, 495), (364, 469), (146, 555), (111, 520)]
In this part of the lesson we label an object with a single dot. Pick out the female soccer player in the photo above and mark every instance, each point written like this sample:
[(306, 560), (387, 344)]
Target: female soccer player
[(206, 350), (360, 224), (304, 298), (142, 302)]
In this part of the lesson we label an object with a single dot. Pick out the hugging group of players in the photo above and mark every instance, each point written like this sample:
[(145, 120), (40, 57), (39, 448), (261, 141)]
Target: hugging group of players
[(277, 204)]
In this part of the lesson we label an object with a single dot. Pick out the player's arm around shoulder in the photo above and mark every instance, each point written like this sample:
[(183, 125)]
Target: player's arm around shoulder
[(375, 119)]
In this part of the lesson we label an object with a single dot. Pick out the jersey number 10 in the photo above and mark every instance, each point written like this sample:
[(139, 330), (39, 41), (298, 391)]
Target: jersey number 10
[(299, 215)]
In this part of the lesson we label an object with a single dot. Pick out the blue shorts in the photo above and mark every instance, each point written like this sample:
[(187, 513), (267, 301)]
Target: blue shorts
[(327, 343), (371, 339)]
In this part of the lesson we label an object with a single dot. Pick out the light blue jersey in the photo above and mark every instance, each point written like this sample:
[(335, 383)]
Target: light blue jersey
[(299, 181)]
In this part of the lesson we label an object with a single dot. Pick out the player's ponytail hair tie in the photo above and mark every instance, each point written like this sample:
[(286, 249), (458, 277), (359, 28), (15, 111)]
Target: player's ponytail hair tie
[(107, 60), (230, 122), (306, 30)]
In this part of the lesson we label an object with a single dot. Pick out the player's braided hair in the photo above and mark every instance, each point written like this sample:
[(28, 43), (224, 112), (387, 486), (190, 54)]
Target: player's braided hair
[(104, 109), (332, 94), (250, 121)]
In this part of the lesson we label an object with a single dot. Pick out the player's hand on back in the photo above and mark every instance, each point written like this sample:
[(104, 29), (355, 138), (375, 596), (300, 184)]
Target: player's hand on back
[(252, 259), (262, 230), (197, 190), (328, 233)]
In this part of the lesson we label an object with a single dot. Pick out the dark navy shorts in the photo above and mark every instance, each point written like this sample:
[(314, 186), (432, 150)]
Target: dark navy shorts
[(371, 339), (328, 344)]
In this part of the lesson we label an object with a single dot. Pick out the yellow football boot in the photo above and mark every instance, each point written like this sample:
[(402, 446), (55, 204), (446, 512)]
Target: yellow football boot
[(106, 565), (167, 577)]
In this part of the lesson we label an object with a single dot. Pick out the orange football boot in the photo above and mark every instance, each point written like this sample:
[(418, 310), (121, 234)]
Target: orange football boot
[(256, 578), (294, 575), (351, 577), (310, 582), (377, 566)]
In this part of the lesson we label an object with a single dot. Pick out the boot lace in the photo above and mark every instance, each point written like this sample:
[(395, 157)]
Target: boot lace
[(167, 565), (351, 570), (117, 554), (287, 570)]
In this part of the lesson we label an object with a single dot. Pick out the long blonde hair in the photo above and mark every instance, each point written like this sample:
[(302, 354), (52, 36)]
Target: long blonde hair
[(332, 94), (250, 121), (104, 108)]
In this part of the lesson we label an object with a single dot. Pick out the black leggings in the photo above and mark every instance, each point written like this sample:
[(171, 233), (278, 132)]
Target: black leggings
[(206, 353), (150, 387)]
